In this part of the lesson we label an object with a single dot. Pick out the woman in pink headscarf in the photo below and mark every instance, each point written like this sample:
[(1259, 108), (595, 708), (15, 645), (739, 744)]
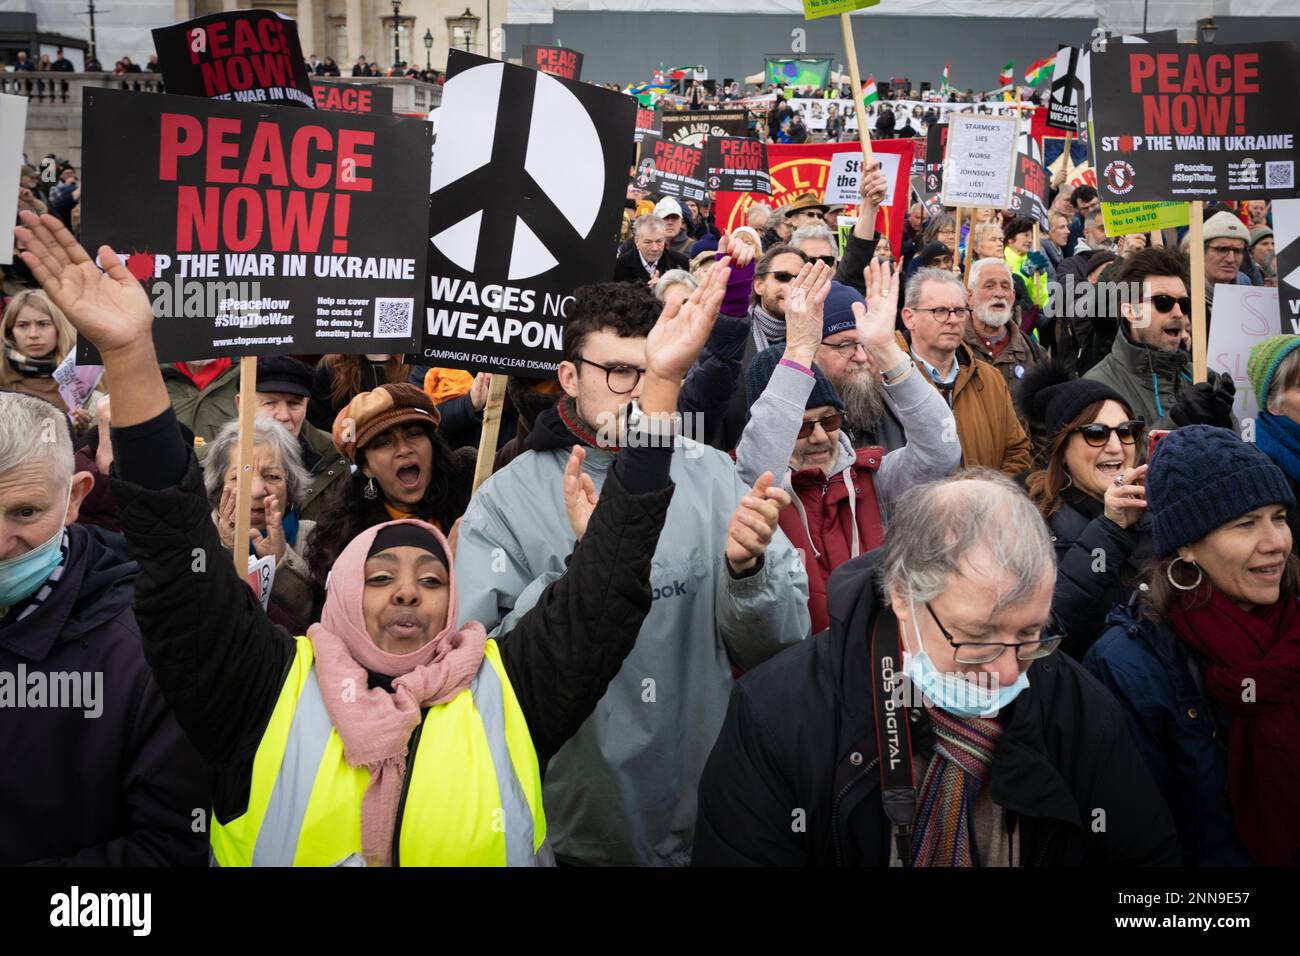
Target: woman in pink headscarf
[(385, 735)]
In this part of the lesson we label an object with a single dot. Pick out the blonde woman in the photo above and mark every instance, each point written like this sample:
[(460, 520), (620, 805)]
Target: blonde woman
[(37, 338)]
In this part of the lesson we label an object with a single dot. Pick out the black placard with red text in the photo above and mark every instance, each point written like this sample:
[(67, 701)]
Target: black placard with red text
[(671, 169), (1030, 189), (353, 97), (556, 60), (252, 56), (737, 164), (1177, 122), (648, 120), (936, 144), (260, 230)]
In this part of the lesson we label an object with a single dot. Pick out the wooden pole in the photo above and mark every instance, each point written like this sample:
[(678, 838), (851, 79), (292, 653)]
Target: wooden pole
[(244, 461), (1158, 238), (1196, 219), (487, 443), (956, 242), (851, 54), (970, 241)]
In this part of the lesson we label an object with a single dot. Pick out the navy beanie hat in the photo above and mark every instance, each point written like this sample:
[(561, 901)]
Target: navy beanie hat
[(1202, 477), (837, 314), (760, 373)]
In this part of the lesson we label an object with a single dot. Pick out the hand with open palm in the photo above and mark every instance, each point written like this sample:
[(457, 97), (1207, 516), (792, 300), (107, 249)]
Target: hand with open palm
[(683, 327)]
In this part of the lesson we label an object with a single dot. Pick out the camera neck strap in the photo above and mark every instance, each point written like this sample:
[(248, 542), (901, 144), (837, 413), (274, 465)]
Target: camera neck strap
[(893, 731)]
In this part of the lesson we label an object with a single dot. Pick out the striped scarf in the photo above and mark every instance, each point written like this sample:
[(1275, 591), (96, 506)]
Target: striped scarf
[(962, 756), (768, 329)]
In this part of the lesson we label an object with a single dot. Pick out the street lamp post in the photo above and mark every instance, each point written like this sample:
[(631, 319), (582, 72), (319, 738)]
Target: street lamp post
[(91, 11), (428, 47), (1206, 28), (397, 51)]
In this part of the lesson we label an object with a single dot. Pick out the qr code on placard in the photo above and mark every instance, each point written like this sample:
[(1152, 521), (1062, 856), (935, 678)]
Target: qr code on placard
[(393, 317), (1280, 174)]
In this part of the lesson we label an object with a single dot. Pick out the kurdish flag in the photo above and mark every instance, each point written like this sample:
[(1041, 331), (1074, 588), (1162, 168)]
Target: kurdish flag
[(1008, 73), (869, 92), (1040, 70)]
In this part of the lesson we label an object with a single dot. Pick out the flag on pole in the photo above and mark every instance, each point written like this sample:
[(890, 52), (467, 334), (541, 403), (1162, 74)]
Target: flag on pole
[(869, 92), (1040, 70), (1008, 73), (947, 74)]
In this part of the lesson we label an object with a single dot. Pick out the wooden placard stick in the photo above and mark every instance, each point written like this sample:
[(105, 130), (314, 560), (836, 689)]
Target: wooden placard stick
[(1196, 246), (487, 443), (244, 461)]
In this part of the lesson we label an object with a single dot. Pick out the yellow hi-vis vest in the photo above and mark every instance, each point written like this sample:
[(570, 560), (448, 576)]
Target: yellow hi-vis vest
[(473, 788)]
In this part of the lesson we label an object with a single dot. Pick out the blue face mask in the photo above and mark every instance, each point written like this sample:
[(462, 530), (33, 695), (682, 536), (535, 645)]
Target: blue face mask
[(21, 576), (956, 693)]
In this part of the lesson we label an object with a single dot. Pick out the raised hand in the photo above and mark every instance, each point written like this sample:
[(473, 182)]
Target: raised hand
[(1127, 499), (478, 390), (876, 319), (741, 252), (683, 327), (273, 544), (873, 184), (580, 496), (754, 523), (109, 308), (225, 515), (805, 300)]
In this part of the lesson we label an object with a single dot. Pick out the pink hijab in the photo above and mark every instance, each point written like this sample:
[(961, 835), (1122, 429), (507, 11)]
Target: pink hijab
[(375, 725)]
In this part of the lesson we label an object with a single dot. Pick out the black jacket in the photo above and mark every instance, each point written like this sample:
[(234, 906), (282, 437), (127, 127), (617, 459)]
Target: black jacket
[(628, 267), (1097, 567), (118, 789), (800, 734), (221, 662)]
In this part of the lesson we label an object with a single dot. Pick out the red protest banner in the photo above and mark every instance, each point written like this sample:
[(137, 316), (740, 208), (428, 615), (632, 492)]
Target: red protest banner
[(555, 60), (797, 169)]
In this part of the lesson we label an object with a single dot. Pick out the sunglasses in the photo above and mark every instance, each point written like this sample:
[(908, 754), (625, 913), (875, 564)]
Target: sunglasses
[(781, 276), (827, 260), (1097, 435), (829, 424), (1165, 303)]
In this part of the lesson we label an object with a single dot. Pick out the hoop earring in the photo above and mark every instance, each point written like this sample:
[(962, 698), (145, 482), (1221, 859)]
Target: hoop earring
[(371, 492), (1169, 573), (1068, 481)]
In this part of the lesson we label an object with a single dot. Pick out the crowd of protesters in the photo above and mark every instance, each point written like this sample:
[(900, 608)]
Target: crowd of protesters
[(771, 459)]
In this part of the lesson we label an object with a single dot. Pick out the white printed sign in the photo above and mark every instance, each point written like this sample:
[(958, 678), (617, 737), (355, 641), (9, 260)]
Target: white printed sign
[(1243, 316), (13, 124), (979, 166), (842, 179), (76, 382)]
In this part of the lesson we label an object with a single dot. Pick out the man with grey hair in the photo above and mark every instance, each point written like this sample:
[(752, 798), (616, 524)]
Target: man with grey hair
[(933, 724), (817, 242), (935, 313), (649, 256), (94, 770), (993, 331), (758, 217)]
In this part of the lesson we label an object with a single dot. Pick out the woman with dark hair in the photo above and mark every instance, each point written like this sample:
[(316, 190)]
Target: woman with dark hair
[(1089, 490), (404, 469), (1026, 263), (1206, 663), (338, 379)]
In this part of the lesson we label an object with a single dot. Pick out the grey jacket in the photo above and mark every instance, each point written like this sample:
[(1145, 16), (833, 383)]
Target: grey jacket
[(1151, 379), (932, 450), (622, 791)]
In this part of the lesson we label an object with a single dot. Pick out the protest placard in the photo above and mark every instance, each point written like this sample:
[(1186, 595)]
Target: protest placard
[(648, 120), (980, 162), (1286, 240), (845, 173), (694, 128), (1066, 95), (1129, 218), (1243, 316), (13, 123), (556, 60), (248, 55), (1031, 187), (259, 230), (813, 9), (76, 382), (1175, 122), (522, 211), (737, 164), (936, 144), (671, 169), (353, 97)]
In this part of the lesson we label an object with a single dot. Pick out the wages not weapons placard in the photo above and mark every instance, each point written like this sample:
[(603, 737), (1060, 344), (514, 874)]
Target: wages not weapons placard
[(555, 60), (980, 163), (1178, 123), (672, 169), (247, 55), (1066, 97), (259, 230), (523, 211), (1286, 240), (693, 128), (738, 165)]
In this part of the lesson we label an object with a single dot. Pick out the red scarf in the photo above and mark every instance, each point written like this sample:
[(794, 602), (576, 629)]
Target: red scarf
[(203, 377), (1261, 646)]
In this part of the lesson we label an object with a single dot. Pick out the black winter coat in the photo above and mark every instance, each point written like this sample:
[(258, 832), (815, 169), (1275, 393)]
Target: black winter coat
[(221, 662), (800, 734), (628, 268), (1097, 567), (118, 789)]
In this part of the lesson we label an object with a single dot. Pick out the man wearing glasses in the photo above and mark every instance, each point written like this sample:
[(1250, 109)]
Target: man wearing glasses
[(1150, 362), (936, 725), (726, 586), (935, 313), (1226, 242)]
